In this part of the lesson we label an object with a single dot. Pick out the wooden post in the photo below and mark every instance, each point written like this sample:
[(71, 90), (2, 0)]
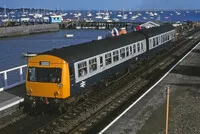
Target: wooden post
[(167, 111)]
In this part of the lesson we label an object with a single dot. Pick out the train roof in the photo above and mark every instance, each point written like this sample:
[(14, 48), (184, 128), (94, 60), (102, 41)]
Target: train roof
[(78, 52), (92, 48), (157, 30)]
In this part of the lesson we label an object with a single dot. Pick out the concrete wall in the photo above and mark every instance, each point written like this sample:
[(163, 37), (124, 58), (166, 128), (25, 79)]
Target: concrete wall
[(26, 30)]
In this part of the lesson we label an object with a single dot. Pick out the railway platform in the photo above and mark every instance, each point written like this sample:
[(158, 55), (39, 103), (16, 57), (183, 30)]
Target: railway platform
[(10, 99), (147, 114)]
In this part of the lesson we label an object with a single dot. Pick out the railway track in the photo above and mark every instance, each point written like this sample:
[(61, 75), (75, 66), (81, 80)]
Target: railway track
[(82, 117), (111, 102)]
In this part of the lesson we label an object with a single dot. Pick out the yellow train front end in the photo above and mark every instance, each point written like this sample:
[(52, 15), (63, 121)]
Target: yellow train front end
[(47, 79)]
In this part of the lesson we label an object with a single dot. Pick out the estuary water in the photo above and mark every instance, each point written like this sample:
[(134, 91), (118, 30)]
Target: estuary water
[(11, 49)]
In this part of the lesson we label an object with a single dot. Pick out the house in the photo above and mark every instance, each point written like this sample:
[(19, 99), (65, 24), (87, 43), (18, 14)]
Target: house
[(55, 19)]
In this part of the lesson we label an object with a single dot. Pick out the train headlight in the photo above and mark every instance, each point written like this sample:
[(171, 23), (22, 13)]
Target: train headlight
[(56, 93), (29, 91)]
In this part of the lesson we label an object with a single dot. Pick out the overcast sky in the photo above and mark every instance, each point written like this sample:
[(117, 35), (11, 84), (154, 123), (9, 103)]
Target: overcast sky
[(103, 4)]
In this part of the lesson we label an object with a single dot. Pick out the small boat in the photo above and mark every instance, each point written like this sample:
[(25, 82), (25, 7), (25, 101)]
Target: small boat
[(28, 54), (69, 35)]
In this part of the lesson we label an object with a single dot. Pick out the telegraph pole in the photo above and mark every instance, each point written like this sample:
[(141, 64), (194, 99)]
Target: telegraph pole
[(167, 111)]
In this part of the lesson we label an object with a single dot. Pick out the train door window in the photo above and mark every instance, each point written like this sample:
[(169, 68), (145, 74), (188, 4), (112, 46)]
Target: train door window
[(142, 47), (101, 61), (131, 51), (108, 59), (115, 56), (138, 47), (82, 69), (71, 71), (134, 48), (122, 53), (93, 65), (127, 51)]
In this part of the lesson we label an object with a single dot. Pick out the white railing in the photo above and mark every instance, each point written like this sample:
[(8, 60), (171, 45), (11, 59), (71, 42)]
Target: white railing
[(20, 79)]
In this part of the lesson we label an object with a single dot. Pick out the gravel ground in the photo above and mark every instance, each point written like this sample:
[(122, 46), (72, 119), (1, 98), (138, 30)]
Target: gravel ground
[(148, 116)]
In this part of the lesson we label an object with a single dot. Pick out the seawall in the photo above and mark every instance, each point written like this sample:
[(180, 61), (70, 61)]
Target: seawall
[(26, 30)]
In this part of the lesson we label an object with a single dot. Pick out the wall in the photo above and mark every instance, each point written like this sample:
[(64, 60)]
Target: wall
[(26, 30)]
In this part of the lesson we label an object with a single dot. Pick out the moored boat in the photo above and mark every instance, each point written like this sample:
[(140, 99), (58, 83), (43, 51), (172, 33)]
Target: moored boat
[(28, 54)]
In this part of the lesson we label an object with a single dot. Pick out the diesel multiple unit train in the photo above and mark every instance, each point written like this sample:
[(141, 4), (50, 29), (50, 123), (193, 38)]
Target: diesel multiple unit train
[(62, 73)]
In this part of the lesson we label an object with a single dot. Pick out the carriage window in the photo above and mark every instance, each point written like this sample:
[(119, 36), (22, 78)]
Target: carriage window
[(50, 75), (134, 48), (150, 41), (157, 41), (142, 46), (108, 59), (161, 39), (127, 51), (101, 61), (131, 51), (115, 56), (122, 53), (93, 65), (154, 42), (138, 47), (82, 69)]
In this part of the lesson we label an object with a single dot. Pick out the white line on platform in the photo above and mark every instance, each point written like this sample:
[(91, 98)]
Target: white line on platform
[(11, 104), (109, 125)]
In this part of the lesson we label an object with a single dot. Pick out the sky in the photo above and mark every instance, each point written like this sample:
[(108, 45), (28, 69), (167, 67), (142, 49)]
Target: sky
[(102, 4)]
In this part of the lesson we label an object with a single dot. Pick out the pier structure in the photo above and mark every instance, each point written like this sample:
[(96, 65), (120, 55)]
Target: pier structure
[(96, 25)]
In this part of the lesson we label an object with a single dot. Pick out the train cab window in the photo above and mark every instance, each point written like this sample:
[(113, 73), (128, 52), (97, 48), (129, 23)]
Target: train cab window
[(50, 75), (122, 53), (31, 74), (93, 65), (134, 48), (131, 50), (127, 51), (82, 69), (108, 59), (138, 47), (115, 56)]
